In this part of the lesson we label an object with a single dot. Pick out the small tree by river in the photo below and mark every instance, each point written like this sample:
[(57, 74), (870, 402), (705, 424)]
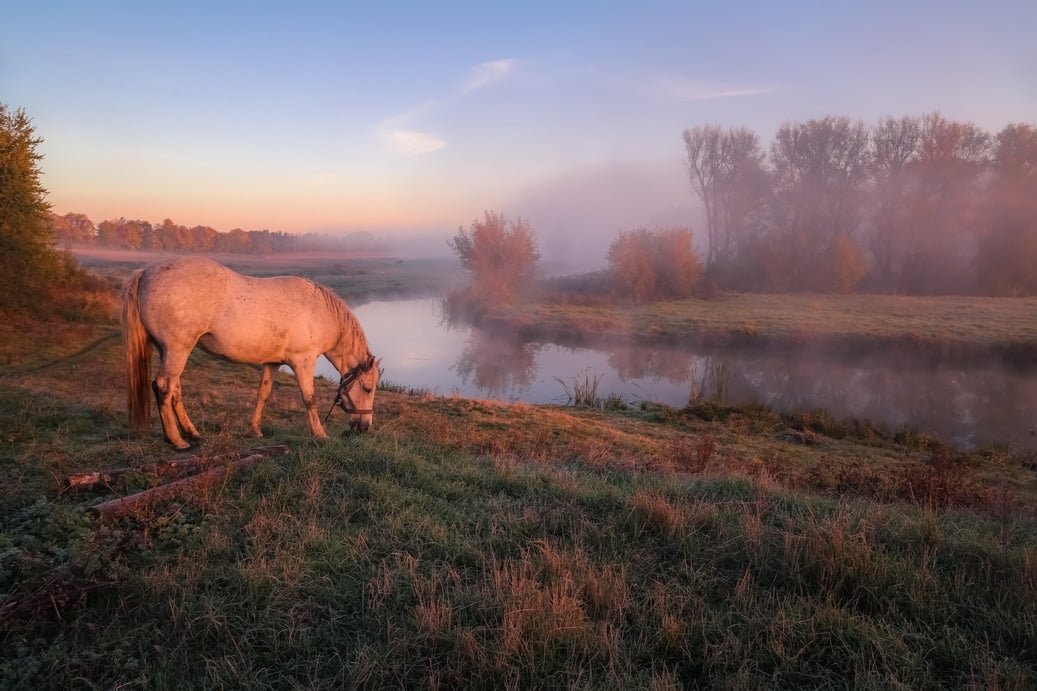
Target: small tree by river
[(500, 254)]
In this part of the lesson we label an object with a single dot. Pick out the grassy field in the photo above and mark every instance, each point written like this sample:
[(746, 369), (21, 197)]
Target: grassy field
[(358, 277), (469, 543), (943, 326)]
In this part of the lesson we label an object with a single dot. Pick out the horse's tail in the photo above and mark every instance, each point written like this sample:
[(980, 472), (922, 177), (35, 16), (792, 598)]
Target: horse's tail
[(138, 355)]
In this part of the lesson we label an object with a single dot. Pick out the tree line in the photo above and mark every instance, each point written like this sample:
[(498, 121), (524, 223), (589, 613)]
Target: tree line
[(77, 230), (922, 205)]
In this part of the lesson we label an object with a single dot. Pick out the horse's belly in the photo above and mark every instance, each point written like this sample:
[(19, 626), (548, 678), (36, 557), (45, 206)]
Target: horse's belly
[(251, 350)]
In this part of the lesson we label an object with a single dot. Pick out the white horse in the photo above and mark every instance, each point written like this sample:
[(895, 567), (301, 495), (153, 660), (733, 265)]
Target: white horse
[(179, 303)]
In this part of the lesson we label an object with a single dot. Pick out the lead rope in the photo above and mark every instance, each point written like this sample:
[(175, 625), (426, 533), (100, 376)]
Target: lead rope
[(343, 382), (338, 399)]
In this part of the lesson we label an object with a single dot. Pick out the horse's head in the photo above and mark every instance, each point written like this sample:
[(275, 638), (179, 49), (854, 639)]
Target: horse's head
[(356, 393)]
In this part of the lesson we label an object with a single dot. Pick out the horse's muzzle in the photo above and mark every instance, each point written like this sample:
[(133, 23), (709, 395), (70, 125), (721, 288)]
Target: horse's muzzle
[(360, 423)]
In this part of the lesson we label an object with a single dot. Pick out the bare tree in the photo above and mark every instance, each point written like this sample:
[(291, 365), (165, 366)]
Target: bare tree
[(820, 168), (1007, 251), (726, 171), (895, 145), (944, 204)]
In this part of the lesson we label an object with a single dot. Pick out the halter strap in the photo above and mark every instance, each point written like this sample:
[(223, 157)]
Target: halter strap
[(343, 391)]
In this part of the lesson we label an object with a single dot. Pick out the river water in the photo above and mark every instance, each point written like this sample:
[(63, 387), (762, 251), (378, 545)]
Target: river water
[(966, 404)]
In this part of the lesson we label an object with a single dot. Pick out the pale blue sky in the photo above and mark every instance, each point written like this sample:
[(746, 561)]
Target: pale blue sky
[(402, 117)]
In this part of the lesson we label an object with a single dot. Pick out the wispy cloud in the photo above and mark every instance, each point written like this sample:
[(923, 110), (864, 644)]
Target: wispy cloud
[(683, 90), (398, 132), (487, 73), (410, 142)]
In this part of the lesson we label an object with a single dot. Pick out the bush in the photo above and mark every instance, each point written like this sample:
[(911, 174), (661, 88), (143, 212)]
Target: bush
[(660, 263), (845, 266), (501, 255)]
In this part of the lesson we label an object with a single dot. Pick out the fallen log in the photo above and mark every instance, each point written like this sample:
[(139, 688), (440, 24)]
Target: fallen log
[(171, 467), (115, 509)]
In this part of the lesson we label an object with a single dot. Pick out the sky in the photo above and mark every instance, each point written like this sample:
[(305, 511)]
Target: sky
[(411, 119)]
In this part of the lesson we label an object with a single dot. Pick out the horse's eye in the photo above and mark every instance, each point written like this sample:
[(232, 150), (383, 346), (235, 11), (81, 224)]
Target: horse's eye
[(366, 389)]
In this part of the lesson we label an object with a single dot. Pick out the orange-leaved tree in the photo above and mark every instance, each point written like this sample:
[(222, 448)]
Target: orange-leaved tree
[(659, 263), (501, 255)]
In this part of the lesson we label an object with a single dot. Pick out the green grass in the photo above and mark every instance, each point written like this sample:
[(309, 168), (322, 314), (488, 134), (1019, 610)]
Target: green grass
[(468, 543), (959, 326)]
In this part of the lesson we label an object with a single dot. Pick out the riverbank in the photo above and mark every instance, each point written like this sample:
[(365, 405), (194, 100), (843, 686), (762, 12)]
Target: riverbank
[(468, 542), (940, 326)]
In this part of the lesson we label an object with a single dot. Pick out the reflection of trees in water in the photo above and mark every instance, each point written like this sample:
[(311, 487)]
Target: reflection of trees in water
[(497, 365), (641, 363), (964, 404), (452, 313), (968, 405), (707, 376)]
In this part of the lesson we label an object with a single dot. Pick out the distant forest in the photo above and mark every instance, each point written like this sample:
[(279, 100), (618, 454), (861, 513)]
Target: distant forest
[(76, 230), (922, 205)]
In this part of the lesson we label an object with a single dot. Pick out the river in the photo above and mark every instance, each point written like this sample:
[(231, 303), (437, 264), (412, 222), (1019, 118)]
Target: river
[(966, 404)]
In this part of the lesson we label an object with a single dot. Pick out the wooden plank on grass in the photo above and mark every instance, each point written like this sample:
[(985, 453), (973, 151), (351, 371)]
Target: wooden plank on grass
[(115, 509)]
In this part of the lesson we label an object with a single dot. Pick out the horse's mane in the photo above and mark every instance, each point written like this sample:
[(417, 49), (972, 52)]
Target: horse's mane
[(350, 324)]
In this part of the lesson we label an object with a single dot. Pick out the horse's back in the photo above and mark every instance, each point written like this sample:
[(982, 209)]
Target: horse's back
[(191, 300), (179, 297)]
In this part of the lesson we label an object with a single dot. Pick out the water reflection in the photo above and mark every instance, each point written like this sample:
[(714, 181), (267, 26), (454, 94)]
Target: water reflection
[(972, 404), (498, 366)]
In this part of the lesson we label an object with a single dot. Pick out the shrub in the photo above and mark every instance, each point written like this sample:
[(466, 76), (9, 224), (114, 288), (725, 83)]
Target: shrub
[(845, 266), (501, 255), (660, 263)]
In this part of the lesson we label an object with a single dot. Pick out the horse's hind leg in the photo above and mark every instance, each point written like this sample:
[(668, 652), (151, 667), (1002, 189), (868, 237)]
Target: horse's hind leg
[(181, 414), (167, 392), (265, 384)]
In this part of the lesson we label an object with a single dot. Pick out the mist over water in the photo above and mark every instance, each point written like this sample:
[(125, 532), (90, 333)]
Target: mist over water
[(967, 404)]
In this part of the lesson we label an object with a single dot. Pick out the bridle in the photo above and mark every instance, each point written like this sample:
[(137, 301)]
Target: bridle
[(342, 397)]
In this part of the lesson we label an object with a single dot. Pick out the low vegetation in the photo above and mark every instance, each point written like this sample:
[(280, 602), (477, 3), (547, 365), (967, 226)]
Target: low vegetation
[(939, 326), (468, 543), (654, 264)]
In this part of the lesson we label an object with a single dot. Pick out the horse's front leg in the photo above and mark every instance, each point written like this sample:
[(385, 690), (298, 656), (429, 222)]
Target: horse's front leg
[(265, 385), (304, 375)]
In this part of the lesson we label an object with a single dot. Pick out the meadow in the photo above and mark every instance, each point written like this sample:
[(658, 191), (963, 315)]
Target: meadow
[(477, 544), (938, 326)]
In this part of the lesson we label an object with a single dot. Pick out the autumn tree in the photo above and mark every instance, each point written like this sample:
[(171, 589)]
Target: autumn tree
[(500, 254), (659, 263), (726, 172), (630, 263), (72, 230), (28, 263)]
